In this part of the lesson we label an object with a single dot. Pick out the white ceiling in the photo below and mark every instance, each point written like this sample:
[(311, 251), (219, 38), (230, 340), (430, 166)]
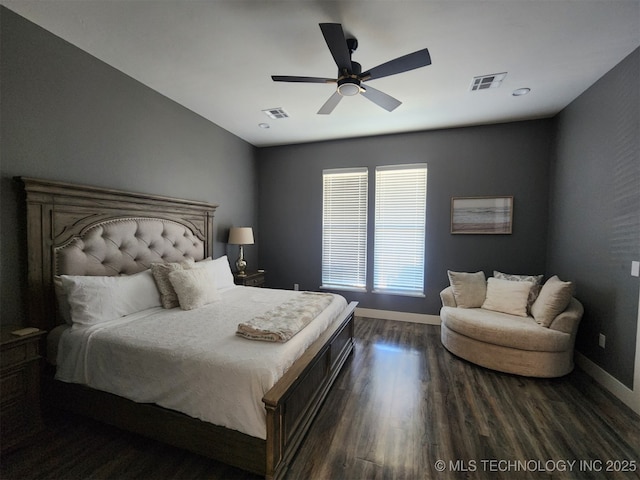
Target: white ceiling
[(217, 57)]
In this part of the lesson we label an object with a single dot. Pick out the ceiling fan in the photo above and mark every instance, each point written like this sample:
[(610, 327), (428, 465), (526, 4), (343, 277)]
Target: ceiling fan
[(350, 76)]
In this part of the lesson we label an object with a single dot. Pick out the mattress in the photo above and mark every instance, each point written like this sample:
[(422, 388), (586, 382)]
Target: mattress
[(191, 361)]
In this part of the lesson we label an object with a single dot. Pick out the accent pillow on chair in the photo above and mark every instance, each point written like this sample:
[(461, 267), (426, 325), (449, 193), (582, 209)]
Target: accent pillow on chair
[(507, 296), (469, 289), (536, 280), (552, 300)]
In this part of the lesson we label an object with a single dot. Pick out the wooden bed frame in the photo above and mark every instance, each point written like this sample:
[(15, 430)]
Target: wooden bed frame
[(57, 213)]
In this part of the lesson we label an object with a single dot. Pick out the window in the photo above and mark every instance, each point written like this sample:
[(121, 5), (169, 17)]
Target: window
[(400, 225), (400, 217), (344, 229)]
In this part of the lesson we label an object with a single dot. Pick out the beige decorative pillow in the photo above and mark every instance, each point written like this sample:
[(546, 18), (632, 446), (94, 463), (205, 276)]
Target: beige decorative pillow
[(469, 289), (507, 296), (552, 300), (195, 287), (161, 272), (536, 280)]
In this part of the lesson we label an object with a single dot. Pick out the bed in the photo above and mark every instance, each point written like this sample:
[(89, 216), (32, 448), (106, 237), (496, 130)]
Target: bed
[(81, 230)]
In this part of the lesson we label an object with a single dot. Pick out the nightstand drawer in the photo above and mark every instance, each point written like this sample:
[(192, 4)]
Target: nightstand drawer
[(254, 282), (12, 420), (20, 414), (18, 354), (251, 279), (12, 386)]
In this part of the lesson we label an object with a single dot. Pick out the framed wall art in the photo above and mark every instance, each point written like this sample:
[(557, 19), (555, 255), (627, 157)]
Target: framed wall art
[(481, 215)]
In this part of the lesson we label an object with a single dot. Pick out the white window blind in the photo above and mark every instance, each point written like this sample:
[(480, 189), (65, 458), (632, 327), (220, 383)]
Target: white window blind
[(400, 217), (344, 229)]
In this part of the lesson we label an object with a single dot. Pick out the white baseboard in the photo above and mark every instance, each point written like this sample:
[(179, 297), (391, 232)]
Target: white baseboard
[(620, 390), (400, 316)]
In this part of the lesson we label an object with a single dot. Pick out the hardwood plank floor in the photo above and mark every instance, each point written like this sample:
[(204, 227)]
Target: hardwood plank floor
[(402, 404)]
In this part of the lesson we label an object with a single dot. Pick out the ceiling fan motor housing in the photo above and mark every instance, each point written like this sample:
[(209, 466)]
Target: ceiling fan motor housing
[(349, 86), (348, 82)]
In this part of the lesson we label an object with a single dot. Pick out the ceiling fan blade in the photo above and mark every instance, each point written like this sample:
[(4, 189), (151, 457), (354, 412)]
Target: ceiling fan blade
[(285, 78), (380, 98), (337, 43), (330, 104), (411, 61)]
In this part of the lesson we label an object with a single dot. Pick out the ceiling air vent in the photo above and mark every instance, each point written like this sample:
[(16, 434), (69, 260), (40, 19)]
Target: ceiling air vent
[(484, 82), (276, 113)]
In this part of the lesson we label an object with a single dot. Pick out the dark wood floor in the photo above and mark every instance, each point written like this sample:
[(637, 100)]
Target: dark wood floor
[(402, 404)]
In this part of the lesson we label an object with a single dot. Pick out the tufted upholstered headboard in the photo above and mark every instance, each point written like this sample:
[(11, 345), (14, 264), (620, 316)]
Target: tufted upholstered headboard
[(125, 246), (83, 230)]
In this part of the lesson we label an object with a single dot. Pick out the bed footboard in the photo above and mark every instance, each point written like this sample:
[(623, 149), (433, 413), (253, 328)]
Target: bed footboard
[(152, 421), (294, 401)]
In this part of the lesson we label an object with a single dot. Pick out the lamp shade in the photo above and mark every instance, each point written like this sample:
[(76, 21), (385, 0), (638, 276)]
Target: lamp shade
[(241, 236)]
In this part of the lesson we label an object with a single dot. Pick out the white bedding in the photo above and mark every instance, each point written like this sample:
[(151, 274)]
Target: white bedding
[(191, 361)]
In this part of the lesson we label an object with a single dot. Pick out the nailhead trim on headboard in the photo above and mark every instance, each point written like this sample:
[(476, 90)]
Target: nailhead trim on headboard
[(125, 246), (63, 219)]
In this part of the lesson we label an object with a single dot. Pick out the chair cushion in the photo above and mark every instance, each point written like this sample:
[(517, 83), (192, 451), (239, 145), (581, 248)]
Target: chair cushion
[(503, 329)]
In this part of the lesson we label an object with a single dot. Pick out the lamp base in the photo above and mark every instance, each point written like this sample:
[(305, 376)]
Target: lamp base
[(241, 264)]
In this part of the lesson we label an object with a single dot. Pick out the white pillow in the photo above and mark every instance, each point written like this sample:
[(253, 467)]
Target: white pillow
[(195, 287), (220, 270), (507, 297), (95, 299), (64, 309)]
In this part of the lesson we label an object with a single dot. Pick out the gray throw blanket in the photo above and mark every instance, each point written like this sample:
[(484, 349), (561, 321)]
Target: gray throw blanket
[(284, 321)]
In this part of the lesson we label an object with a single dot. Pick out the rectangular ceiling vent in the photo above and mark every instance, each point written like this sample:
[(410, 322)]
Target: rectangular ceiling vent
[(484, 82), (276, 113)]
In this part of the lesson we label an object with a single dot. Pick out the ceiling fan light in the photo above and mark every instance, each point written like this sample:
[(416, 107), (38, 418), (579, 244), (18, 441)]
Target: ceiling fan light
[(348, 89)]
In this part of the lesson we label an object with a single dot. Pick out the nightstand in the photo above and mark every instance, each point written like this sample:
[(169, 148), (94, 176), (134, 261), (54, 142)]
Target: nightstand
[(251, 279), (20, 365)]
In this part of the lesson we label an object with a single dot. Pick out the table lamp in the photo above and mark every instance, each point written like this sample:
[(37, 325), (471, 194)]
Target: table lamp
[(241, 236)]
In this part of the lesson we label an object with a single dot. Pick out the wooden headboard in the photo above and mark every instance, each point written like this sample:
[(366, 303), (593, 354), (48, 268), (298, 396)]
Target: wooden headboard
[(63, 218)]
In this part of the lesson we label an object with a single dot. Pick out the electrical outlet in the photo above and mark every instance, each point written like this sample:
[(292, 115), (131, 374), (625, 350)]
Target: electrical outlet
[(601, 340), (296, 287), (635, 269)]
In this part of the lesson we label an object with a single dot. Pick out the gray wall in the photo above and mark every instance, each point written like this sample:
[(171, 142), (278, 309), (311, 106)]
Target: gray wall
[(67, 116), (506, 159), (595, 213)]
